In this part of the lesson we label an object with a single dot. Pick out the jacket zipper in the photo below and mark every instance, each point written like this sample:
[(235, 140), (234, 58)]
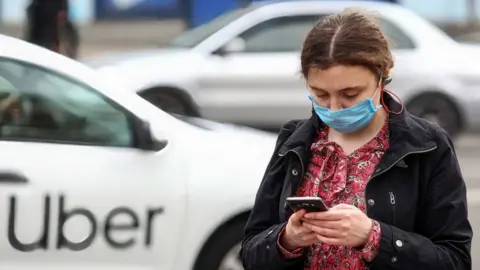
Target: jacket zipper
[(301, 164), (391, 166), (392, 202)]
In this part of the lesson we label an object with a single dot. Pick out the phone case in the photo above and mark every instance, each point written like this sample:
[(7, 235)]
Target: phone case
[(310, 204)]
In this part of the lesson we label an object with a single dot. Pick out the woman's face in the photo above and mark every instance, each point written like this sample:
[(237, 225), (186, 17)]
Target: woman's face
[(340, 87)]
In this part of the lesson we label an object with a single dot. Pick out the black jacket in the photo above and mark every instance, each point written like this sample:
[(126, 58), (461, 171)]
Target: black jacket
[(417, 193)]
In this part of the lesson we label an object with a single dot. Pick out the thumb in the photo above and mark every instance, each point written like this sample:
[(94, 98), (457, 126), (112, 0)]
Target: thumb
[(296, 217), (342, 206)]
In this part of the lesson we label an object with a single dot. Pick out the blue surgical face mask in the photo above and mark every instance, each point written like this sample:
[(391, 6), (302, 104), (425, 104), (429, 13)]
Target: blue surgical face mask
[(349, 119)]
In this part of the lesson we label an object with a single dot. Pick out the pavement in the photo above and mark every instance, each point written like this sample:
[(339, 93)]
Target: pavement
[(113, 36)]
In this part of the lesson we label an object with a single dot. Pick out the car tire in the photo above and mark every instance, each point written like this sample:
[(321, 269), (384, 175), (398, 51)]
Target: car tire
[(222, 252), (168, 101), (438, 109)]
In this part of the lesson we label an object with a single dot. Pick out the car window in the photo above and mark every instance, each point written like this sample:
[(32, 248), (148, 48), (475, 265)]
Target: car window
[(282, 34), (40, 105), (195, 36), (398, 38)]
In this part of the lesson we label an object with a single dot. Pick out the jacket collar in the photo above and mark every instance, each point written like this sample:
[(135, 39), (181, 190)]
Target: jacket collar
[(407, 135)]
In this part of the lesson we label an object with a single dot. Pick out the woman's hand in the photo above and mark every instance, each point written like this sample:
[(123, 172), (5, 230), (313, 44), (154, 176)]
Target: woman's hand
[(342, 225), (295, 234)]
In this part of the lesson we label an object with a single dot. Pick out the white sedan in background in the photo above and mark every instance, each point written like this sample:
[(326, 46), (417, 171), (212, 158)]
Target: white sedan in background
[(93, 177), (244, 67)]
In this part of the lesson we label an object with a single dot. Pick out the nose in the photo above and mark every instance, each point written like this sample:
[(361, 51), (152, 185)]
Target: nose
[(334, 104)]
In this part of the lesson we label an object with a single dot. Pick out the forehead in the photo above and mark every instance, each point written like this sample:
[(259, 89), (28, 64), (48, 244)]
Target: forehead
[(340, 77)]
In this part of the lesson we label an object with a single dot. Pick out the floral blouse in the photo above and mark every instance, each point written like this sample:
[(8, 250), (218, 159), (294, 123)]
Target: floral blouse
[(339, 178)]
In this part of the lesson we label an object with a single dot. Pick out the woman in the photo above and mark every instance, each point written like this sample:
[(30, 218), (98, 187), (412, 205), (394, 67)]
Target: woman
[(392, 181), (48, 25)]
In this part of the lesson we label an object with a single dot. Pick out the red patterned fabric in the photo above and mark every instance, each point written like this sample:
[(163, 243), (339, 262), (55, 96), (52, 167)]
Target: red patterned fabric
[(339, 178)]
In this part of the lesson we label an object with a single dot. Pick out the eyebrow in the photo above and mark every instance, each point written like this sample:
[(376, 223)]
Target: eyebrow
[(357, 87)]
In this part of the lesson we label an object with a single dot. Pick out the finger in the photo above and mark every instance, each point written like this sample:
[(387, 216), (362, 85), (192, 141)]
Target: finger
[(324, 224), (331, 241), (297, 216), (343, 206), (327, 215), (326, 232), (306, 233), (306, 236), (302, 230)]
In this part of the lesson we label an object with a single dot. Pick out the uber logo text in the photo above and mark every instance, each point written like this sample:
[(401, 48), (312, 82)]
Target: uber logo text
[(109, 226)]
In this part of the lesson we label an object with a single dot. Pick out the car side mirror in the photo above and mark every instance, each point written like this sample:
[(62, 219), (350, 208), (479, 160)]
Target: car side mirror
[(233, 46), (145, 139)]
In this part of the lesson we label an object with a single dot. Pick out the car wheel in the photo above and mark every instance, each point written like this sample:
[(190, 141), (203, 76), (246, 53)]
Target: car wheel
[(223, 251), (439, 110), (168, 102)]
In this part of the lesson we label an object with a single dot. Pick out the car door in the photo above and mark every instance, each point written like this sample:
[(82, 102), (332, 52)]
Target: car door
[(255, 78), (75, 190)]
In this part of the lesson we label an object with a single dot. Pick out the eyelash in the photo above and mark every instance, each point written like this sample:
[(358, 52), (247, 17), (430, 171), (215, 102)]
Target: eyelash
[(346, 96), (351, 96)]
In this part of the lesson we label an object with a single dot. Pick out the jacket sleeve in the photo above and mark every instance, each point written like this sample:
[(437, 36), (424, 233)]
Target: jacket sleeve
[(259, 247), (444, 232)]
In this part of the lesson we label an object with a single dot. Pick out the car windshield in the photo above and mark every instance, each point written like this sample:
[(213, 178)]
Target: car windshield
[(194, 36)]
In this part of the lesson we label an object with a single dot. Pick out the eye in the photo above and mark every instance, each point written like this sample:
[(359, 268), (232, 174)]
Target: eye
[(322, 95), (350, 95)]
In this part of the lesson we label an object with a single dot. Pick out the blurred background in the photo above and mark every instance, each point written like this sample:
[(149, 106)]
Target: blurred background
[(118, 25), (436, 74)]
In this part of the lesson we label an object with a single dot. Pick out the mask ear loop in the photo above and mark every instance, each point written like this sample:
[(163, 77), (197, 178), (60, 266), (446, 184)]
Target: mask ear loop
[(386, 81), (385, 105)]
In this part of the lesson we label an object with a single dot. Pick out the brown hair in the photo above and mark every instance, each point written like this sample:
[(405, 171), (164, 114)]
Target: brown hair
[(351, 37)]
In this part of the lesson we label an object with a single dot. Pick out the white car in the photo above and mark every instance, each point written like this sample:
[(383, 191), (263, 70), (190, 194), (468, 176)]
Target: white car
[(96, 178), (244, 66)]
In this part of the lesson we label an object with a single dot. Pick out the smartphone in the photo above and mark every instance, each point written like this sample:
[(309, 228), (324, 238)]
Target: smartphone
[(310, 204)]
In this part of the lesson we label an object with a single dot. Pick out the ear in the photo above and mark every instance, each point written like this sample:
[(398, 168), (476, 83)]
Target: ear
[(387, 80)]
